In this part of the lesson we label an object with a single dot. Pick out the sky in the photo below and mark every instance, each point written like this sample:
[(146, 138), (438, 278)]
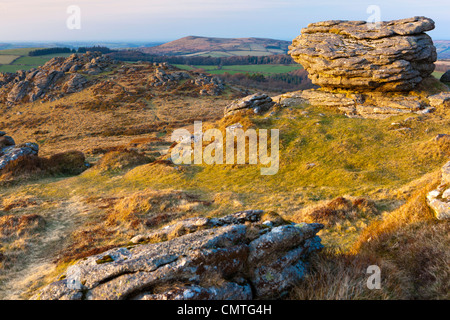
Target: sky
[(165, 20)]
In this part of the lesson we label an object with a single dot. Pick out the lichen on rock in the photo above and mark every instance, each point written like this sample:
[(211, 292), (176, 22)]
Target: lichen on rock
[(233, 257)]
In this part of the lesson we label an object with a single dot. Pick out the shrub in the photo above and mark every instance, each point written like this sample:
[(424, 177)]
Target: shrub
[(67, 163), (34, 167), (337, 210), (122, 159)]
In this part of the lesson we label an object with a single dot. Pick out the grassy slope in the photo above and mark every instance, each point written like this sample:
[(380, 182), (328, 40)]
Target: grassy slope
[(354, 157)]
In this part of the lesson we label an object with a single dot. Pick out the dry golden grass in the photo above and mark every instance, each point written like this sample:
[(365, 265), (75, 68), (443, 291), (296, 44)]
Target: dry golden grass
[(338, 210), (409, 246), (16, 231), (150, 208), (415, 210)]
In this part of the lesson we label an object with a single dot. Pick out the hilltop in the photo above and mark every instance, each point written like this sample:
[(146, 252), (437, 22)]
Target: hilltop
[(220, 47)]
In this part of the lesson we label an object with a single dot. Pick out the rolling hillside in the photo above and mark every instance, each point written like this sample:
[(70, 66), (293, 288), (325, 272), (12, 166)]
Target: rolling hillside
[(220, 47), (442, 48)]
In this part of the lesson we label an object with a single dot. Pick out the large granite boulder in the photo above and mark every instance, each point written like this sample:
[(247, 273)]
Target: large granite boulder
[(246, 255), (393, 56), (439, 198)]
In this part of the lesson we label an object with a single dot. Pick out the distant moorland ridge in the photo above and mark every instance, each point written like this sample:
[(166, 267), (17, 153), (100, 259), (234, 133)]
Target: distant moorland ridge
[(220, 46)]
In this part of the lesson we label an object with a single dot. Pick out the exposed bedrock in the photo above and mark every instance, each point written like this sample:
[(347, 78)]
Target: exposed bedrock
[(242, 256)]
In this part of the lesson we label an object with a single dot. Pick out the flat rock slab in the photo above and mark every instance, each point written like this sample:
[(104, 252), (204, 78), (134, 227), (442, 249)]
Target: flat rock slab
[(234, 257), (258, 102), (375, 105)]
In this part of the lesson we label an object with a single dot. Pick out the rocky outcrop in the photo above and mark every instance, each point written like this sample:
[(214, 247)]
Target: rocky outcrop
[(375, 105), (258, 102), (57, 75), (439, 198), (393, 56), (245, 255), (165, 75), (75, 83), (368, 70), (9, 151)]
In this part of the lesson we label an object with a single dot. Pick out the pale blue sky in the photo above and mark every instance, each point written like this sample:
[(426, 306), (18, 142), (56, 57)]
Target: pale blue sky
[(163, 20)]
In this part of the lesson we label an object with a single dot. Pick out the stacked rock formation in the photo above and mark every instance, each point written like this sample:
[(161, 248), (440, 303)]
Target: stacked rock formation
[(246, 255), (393, 56), (9, 151), (365, 69)]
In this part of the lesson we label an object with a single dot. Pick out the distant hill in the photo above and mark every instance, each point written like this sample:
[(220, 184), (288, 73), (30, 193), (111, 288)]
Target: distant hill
[(442, 48), (220, 47)]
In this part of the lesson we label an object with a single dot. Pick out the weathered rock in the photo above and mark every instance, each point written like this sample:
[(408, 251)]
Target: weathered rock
[(18, 91), (234, 257), (440, 99), (445, 77), (12, 152), (439, 198), (364, 104), (75, 83), (29, 86), (356, 55), (259, 102)]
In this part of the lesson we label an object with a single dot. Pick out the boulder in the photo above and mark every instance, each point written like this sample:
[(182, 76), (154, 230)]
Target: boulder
[(18, 91), (439, 198), (446, 76), (393, 56), (75, 83), (240, 256), (6, 141), (13, 152), (259, 102)]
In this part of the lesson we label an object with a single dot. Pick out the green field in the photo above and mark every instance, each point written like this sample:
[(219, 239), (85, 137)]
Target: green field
[(259, 68), (437, 74), (12, 60)]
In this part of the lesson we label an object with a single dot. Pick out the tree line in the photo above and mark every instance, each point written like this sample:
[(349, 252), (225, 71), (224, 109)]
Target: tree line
[(132, 55), (57, 50), (280, 82)]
